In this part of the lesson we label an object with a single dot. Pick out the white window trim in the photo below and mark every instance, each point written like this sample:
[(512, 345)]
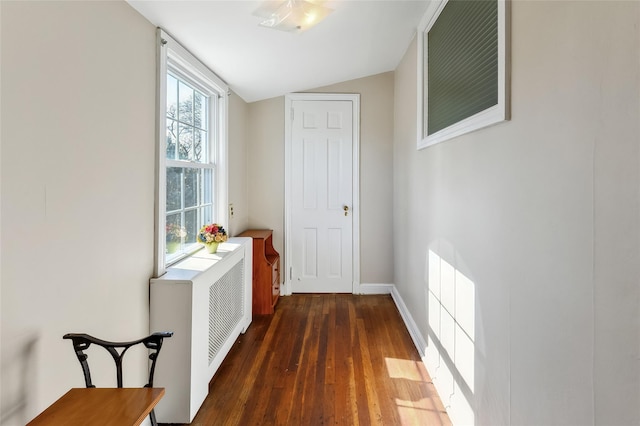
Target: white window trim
[(488, 117), (170, 51)]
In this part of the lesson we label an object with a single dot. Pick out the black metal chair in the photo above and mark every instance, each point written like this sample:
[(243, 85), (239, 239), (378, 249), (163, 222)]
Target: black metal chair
[(81, 342)]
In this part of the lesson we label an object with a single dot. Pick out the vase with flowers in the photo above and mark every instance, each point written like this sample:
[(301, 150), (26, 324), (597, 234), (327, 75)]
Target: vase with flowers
[(175, 235), (211, 236)]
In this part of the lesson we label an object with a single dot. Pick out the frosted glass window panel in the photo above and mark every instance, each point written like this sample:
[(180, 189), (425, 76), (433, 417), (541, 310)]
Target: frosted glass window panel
[(462, 64)]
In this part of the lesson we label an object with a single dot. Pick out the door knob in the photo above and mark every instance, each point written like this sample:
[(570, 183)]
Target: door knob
[(346, 210)]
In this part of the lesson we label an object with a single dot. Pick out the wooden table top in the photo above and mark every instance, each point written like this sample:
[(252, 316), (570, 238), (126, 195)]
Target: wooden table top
[(256, 233), (101, 406)]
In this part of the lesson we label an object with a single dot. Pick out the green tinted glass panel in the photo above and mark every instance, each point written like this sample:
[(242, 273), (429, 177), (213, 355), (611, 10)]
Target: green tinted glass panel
[(462, 62)]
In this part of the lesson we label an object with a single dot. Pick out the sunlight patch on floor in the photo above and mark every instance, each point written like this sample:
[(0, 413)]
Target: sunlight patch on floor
[(404, 369), (421, 412)]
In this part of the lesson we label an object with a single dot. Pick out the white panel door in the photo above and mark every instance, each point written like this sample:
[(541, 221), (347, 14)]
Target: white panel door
[(322, 196)]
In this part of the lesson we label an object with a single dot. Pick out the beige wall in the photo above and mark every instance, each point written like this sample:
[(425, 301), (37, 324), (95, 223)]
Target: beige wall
[(541, 215), (77, 174), (266, 170), (78, 108), (238, 183)]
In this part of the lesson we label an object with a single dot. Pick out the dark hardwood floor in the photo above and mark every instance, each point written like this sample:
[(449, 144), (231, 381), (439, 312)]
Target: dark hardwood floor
[(333, 359)]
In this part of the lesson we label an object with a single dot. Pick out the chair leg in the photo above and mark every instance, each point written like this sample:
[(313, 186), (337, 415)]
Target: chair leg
[(152, 417)]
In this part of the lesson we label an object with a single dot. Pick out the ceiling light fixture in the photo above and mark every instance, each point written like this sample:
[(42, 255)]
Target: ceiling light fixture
[(291, 15)]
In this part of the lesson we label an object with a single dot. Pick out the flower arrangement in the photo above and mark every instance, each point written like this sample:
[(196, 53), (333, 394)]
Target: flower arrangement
[(213, 233), (175, 233)]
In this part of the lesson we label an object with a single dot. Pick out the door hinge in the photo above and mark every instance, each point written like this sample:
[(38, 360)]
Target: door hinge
[(290, 273)]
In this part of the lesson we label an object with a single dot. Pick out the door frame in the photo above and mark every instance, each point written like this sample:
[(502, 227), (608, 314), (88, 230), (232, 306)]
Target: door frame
[(355, 210)]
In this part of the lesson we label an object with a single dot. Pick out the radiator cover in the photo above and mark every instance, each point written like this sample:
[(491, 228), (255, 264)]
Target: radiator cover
[(206, 301), (226, 308)]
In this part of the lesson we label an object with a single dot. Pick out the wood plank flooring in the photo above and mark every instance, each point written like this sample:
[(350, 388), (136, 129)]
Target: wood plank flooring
[(333, 359)]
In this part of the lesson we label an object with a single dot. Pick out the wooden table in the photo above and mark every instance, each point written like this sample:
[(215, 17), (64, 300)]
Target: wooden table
[(101, 406)]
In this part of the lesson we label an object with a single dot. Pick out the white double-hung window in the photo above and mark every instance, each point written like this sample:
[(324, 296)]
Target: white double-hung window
[(191, 154)]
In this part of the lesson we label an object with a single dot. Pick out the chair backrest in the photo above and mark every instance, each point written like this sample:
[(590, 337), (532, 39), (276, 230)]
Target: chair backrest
[(117, 350)]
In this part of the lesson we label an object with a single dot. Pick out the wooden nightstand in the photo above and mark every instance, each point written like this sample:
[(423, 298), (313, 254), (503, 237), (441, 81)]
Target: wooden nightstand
[(266, 271)]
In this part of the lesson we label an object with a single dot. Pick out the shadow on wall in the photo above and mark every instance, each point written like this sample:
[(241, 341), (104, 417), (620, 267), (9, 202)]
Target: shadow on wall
[(18, 373), (451, 343)]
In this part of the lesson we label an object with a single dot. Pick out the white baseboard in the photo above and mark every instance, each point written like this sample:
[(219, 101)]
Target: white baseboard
[(412, 327), (375, 288)]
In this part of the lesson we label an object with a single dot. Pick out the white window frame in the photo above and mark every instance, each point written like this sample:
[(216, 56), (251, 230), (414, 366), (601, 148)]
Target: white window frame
[(489, 116), (171, 55)]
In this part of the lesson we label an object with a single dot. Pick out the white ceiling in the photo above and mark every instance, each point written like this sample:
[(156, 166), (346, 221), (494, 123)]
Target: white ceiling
[(360, 38)]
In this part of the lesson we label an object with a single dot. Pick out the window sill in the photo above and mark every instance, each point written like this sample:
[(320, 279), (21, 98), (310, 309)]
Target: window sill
[(199, 262)]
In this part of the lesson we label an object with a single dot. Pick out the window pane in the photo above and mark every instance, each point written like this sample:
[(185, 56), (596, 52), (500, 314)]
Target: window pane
[(200, 111), (173, 224), (207, 187), (172, 130), (172, 96), (173, 219), (199, 146), (206, 216), (185, 142), (173, 188), (186, 103), (192, 179), (191, 225)]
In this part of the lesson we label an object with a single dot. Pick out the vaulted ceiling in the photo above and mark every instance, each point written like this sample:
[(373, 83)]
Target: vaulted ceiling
[(359, 38)]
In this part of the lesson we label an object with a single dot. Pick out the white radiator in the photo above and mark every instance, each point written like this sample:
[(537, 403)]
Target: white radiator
[(206, 301)]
